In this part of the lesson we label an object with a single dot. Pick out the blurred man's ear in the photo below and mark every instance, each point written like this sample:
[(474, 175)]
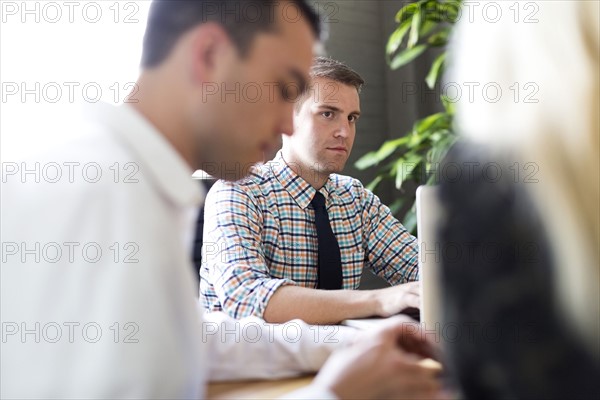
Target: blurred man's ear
[(209, 45)]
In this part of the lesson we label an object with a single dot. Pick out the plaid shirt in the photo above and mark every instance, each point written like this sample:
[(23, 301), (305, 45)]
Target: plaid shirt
[(260, 234)]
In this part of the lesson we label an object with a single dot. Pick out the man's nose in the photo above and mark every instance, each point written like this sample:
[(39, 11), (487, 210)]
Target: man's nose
[(343, 130)]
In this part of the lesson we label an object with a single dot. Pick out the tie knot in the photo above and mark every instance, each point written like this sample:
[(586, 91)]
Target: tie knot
[(318, 201)]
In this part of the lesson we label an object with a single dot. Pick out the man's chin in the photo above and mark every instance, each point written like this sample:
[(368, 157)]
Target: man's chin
[(328, 169)]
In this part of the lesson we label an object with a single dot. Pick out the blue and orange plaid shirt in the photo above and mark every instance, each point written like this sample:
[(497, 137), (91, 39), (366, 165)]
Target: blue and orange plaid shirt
[(260, 234)]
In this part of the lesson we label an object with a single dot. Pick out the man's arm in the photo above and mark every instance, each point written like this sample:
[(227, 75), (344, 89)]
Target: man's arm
[(234, 272), (273, 351), (392, 252), (325, 307)]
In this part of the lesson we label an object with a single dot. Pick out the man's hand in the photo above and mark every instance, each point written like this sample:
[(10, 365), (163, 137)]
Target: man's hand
[(391, 301), (381, 364)]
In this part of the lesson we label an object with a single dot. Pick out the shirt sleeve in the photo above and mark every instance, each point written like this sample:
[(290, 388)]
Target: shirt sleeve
[(391, 251), (235, 273), (251, 348)]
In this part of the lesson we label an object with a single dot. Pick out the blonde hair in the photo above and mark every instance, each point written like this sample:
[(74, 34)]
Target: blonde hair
[(548, 115)]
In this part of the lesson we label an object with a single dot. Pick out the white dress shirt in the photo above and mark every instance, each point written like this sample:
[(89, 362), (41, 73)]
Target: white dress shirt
[(97, 289)]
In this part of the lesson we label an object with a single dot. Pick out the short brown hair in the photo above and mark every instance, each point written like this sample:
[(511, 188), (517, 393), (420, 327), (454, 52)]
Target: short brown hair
[(325, 67), (168, 20)]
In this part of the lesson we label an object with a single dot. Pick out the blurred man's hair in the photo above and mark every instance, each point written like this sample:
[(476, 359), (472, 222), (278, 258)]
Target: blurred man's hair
[(168, 20), (328, 68)]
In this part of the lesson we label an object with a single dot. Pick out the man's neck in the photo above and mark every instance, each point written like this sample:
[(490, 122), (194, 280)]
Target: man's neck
[(311, 175), (159, 106)]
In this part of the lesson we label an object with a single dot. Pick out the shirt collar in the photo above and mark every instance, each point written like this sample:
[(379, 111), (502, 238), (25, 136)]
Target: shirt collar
[(300, 190), (159, 160)]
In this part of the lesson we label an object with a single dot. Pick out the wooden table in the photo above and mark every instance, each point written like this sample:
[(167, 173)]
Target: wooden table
[(256, 389), (272, 389)]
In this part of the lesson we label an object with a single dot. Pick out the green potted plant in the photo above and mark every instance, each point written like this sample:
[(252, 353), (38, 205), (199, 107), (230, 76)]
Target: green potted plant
[(422, 25)]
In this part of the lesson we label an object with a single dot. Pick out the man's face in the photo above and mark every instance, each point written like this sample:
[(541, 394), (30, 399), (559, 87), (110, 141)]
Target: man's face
[(252, 106), (324, 127)]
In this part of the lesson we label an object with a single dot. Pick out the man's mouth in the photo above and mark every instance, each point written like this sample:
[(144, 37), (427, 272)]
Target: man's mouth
[(338, 149)]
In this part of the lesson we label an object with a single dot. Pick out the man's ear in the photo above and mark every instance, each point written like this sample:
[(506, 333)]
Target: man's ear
[(209, 45)]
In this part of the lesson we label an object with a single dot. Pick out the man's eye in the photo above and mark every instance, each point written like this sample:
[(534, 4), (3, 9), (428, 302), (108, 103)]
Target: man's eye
[(352, 118), (327, 114)]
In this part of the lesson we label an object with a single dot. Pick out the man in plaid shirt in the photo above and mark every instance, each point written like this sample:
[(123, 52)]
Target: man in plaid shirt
[(260, 250)]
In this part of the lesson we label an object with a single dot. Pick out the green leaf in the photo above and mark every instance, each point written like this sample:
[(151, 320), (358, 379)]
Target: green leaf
[(366, 161), (415, 26), (436, 69), (390, 146), (406, 56), (371, 186), (449, 106), (432, 180), (424, 125), (406, 12), (431, 10), (396, 38), (426, 27), (375, 157), (416, 138), (439, 38), (439, 135), (441, 147), (397, 205), (410, 222), (390, 168), (451, 10), (405, 168)]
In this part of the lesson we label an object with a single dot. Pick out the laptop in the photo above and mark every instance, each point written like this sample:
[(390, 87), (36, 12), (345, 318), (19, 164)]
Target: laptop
[(429, 261), (428, 215)]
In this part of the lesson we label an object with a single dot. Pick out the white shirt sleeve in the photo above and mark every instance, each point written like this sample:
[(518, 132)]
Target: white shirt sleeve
[(251, 348)]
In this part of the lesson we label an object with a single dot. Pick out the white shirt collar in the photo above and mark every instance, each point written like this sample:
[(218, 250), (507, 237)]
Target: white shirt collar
[(160, 161)]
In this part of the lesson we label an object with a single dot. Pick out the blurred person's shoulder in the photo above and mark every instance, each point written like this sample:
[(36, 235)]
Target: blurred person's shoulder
[(92, 163)]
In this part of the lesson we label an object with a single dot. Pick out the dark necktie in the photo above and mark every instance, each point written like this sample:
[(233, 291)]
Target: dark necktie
[(330, 261)]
